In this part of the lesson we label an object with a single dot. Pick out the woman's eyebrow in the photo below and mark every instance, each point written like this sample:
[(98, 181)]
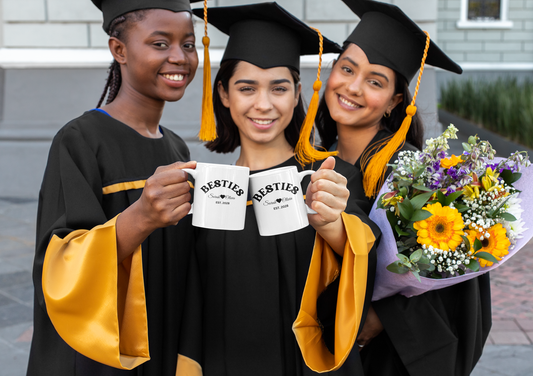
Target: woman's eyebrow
[(375, 73), (167, 34), (280, 81), (247, 82), (161, 33)]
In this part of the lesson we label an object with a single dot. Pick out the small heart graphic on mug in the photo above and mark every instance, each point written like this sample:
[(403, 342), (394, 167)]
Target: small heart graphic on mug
[(278, 200), (222, 196)]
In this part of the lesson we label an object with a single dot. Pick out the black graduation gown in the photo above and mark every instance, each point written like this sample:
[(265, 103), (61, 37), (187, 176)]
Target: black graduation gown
[(89, 153), (252, 287), (441, 332)]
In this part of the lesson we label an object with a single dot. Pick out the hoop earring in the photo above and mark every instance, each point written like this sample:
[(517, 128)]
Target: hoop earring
[(386, 115)]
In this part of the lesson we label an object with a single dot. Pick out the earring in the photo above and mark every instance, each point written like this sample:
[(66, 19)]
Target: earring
[(386, 115)]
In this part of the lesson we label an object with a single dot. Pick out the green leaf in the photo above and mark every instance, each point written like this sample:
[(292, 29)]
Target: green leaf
[(473, 265), (392, 218), (400, 232), (406, 244), (406, 209), (415, 256), (397, 268), (441, 198), (419, 201), (421, 188), (419, 172), (486, 256), (426, 267), (467, 242), (492, 213), (461, 208), (477, 245), (508, 217), (416, 275), (467, 147), (411, 242), (452, 197), (403, 191), (460, 272), (420, 215), (509, 177), (380, 202), (403, 258)]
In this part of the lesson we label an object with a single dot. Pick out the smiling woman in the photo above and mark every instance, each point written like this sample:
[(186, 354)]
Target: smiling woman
[(113, 239), (368, 116), (250, 309)]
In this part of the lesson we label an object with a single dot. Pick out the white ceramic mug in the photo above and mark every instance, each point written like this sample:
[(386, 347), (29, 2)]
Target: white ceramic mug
[(278, 201), (220, 195)]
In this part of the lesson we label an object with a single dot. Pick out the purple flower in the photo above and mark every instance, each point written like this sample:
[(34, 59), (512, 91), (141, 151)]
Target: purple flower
[(450, 189), (453, 173)]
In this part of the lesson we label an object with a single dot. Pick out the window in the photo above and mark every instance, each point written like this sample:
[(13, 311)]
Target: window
[(484, 14), (484, 10)]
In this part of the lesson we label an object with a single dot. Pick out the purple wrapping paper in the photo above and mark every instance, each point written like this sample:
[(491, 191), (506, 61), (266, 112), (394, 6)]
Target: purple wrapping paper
[(388, 283)]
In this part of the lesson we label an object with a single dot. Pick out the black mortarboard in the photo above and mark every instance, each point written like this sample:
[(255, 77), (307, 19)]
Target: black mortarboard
[(390, 38), (114, 8), (265, 35)]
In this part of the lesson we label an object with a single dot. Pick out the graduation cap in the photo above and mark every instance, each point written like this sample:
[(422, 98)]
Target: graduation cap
[(114, 8), (390, 38), (268, 36)]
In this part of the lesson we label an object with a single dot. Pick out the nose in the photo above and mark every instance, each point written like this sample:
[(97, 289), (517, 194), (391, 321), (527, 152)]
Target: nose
[(177, 56), (355, 87), (263, 102)]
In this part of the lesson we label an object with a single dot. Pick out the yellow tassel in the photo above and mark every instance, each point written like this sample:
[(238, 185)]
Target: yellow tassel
[(374, 173), (305, 152), (208, 129)]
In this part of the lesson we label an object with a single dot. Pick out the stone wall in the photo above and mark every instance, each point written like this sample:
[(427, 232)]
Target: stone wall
[(487, 45)]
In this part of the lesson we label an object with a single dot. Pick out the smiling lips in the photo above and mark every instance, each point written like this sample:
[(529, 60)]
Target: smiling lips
[(174, 77), (348, 103), (262, 123)]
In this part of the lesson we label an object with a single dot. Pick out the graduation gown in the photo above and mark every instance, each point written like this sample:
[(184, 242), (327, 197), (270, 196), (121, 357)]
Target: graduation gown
[(441, 332), (86, 305), (251, 288)]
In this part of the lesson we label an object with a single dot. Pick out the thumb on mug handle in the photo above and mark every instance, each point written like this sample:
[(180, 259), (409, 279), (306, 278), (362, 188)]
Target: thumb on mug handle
[(302, 174), (193, 174)]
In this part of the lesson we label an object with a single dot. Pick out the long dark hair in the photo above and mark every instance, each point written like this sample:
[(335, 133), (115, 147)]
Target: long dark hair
[(228, 138), (119, 29), (327, 127)]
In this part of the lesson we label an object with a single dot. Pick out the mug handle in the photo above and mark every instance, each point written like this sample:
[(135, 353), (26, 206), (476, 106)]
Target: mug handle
[(193, 173), (301, 175)]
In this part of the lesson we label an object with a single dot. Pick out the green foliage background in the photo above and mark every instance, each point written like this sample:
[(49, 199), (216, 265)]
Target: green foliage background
[(503, 106)]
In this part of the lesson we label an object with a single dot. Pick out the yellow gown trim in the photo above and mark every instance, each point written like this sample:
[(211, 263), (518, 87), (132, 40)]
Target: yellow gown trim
[(95, 305), (323, 270), (188, 367), (126, 186)]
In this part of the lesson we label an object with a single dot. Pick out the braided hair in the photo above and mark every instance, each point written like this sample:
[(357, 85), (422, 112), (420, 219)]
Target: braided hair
[(118, 29)]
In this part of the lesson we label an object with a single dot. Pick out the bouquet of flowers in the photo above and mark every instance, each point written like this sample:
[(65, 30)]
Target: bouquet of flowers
[(446, 219)]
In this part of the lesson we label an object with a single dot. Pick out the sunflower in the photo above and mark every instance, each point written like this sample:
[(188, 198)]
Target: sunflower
[(497, 244), (450, 162), (442, 230)]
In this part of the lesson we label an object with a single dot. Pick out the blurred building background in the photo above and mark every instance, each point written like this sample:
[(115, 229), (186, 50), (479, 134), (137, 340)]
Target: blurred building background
[(54, 57)]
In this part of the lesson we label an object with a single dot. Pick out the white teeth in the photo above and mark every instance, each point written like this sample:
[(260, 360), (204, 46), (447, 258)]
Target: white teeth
[(174, 77), (262, 122), (348, 103)]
